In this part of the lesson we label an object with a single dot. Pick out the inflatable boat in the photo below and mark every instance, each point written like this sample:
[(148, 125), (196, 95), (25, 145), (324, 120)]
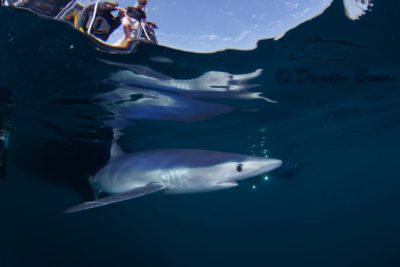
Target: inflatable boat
[(89, 19)]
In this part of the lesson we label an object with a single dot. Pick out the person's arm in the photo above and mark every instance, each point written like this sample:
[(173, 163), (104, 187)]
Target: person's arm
[(122, 11), (144, 20)]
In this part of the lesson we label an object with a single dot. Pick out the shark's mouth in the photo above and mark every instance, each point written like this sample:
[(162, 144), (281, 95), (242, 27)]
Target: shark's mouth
[(229, 184)]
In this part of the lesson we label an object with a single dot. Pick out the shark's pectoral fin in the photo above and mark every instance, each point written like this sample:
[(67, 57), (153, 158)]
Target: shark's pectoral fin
[(133, 193)]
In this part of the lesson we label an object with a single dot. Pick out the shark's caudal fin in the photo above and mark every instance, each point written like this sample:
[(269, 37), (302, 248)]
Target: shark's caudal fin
[(357, 8), (133, 193)]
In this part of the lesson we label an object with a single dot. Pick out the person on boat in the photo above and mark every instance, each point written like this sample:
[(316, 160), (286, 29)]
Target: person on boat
[(135, 18), (20, 3), (105, 23), (149, 32)]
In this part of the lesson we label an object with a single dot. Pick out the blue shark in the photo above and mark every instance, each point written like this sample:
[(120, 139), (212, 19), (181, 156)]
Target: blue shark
[(174, 171), (153, 105), (212, 84)]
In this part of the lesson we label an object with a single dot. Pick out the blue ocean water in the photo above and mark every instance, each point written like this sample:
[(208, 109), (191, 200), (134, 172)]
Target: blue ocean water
[(326, 103)]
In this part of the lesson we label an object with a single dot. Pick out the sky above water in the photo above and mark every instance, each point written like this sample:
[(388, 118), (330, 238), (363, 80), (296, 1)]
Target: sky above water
[(208, 26), (215, 25)]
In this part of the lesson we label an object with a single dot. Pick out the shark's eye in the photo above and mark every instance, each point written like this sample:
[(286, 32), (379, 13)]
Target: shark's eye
[(239, 167)]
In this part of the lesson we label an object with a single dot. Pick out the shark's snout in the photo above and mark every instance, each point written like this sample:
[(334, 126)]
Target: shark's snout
[(274, 163), (267, 165), (258, 166)]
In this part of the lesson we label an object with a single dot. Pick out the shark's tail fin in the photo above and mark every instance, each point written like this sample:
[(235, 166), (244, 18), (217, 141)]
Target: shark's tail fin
[(357, 8)]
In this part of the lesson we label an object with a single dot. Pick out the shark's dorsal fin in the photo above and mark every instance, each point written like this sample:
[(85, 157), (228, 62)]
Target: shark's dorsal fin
[(116, 151)]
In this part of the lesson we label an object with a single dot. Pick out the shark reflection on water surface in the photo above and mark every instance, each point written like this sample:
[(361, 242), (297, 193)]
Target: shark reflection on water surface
[(212, 84), (145, 94), (127, 104)]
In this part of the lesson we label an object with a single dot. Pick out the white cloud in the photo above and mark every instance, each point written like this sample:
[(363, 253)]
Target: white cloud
[(210, 37), (242, 35), (291, 5)]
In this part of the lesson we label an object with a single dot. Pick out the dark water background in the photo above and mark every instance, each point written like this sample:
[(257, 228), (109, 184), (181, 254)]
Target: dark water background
[(335, 202)]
